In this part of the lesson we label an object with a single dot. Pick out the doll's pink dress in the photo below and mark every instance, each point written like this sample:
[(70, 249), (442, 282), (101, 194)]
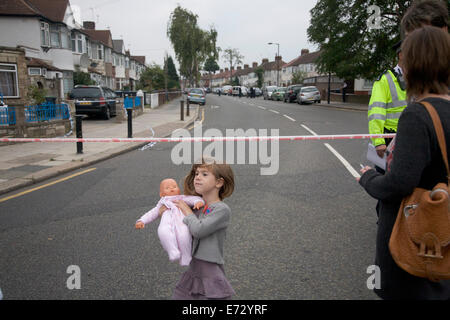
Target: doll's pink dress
[(172, 232)]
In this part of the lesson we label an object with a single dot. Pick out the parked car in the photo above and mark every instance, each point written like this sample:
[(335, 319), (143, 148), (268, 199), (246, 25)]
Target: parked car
[(258, 92), (197, 95), (291, 92), (267, 92), (308, 95), (91, 100), (244, 90), (278, 94), (228, 90)]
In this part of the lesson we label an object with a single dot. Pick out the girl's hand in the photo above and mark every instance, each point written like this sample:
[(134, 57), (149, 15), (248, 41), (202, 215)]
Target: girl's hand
[(198, 205), (161, 210), (140, 225), (183, 207)]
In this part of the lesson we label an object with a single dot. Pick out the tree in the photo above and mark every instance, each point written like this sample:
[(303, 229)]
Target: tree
[(260, 75), (350, 46), (191, 44), (211, 66), (80, 77), (298, 76), (152, 78), (173, 81), (234, 57)]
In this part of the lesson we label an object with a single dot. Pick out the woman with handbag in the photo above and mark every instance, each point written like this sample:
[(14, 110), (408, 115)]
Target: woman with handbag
[(417, 162)]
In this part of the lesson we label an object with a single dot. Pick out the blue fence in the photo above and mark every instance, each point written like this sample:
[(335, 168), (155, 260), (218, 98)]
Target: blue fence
[(46, 112), (7, 116)]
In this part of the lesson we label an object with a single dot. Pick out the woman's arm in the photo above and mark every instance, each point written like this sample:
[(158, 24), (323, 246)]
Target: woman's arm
[(412, 154)]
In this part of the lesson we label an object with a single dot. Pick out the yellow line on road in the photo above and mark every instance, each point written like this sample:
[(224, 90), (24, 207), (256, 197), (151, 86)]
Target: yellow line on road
[(46, 185), (201, 121)]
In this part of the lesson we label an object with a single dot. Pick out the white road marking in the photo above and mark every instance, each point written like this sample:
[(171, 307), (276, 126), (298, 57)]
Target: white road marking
[(346, 164), (274, 111), (261, 107), (289, 117), (308, 129)]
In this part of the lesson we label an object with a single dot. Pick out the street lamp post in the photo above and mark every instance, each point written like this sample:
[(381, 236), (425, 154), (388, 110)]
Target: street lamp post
[(278, 62)]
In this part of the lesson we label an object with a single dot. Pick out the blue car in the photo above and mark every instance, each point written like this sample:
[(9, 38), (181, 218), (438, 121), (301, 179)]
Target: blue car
[(197, 96)]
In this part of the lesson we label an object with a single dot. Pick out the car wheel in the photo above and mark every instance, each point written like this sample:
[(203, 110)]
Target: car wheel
[(107, 113), (319, 101)]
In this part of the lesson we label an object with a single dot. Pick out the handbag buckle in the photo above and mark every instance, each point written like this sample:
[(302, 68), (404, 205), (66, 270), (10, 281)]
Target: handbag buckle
[(409, 210), (430, 247)]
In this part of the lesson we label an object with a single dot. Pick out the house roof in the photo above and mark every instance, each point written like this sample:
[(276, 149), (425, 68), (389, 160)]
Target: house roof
[(118, 45), (140, 59), (34, 62), (272, 65), (104, 36), (53, 10), (303, 59)]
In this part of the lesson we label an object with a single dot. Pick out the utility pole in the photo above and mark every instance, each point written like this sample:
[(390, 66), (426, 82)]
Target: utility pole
[(166, 75)]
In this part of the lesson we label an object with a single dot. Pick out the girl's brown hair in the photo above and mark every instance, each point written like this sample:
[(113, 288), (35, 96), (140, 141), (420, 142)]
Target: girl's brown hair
[(219, 170), (426, 56)]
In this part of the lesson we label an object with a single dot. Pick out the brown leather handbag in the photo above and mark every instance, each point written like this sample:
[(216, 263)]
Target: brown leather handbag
[(420, 239)]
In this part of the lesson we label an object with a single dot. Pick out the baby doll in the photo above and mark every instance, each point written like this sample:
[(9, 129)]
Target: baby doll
[(173, 233)]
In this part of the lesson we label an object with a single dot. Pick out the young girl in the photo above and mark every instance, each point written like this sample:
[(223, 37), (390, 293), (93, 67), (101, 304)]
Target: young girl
[(205, 278)]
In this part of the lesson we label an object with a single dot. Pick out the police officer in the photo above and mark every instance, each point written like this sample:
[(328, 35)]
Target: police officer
[(386, 104)]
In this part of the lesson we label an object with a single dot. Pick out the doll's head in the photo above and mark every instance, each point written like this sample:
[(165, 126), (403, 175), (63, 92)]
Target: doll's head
[(169, 187)]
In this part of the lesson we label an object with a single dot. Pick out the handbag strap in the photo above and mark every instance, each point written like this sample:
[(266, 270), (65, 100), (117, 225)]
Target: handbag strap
[(439, 132)]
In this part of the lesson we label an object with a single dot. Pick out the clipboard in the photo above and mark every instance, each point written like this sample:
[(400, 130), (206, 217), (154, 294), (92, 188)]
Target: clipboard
[(373, 157)]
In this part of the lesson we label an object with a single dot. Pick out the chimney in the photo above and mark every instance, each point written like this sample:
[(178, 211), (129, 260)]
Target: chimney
[(90, 25), (277, 58), (232, 68), (226, 69), (304, 51), (265, 60), (245, 66), (255, 64), (221, 70), (239, 68)]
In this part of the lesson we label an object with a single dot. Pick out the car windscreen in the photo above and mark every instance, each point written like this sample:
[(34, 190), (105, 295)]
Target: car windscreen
[(309, 90), (85, 93), (270, 89), (198, 91)]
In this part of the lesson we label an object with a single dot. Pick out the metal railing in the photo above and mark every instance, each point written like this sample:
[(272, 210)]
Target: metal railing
[(7, 116), (46, 112)]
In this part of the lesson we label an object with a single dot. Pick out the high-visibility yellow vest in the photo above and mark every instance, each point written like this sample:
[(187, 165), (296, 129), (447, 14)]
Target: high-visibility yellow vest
[(386, 105)]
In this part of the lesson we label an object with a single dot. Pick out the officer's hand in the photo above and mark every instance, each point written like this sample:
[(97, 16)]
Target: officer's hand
[(381, 149)]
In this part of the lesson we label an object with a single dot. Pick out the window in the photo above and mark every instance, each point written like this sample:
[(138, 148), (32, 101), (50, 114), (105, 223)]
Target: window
[(34, 71), (65, 39), (100, 52), (79, 43), (72, 38), (88, 48), (45, 34), (55, 36), (67, 81), (9, 86)]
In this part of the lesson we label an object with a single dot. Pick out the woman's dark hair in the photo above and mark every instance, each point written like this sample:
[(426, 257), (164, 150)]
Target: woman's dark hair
[(422, 13), (426, 56)]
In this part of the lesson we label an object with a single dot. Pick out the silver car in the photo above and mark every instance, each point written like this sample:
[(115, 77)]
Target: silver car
[(308, 95)]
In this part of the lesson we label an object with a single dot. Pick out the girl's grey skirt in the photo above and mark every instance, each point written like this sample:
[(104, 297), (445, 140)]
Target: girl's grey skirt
[(202, 281)]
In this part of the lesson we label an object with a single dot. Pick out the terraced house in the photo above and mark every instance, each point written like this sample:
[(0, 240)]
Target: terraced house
[(42, 43)]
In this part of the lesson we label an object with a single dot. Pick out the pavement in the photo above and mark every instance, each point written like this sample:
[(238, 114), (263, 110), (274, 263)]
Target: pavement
[(342, 105), (24, 164)]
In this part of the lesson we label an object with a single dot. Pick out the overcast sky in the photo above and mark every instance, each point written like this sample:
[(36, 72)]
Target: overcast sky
[(247, 25)]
